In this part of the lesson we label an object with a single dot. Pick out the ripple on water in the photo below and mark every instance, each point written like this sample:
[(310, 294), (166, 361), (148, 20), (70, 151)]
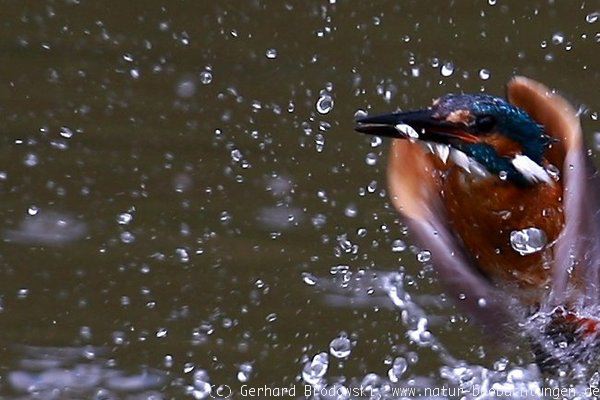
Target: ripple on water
[(54, 372)]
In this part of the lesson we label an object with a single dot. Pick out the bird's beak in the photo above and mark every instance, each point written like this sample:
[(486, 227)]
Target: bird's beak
[(420, 124)]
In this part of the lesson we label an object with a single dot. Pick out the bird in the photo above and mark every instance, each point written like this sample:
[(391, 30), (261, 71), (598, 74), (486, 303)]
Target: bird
[(503, 193)]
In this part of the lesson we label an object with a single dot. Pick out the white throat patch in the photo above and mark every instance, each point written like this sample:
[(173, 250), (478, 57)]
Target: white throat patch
[(531, 170)]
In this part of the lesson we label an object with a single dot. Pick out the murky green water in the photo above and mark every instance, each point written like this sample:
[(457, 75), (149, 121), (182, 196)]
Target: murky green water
[(173, 201)]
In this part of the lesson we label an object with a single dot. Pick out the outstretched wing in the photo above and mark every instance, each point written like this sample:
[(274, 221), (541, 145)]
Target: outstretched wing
[(577, 252), (415, 192)]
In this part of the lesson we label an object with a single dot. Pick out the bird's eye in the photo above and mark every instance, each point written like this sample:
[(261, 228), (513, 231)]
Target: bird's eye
[(485, 123)]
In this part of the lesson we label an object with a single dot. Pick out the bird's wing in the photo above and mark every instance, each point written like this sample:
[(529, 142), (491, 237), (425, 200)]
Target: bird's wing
[(415, 192), (578, 246)]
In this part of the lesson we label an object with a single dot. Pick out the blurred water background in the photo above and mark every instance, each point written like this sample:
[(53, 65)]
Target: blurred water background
[(185, 203)]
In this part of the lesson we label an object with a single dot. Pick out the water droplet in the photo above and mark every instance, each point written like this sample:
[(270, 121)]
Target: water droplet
[(33, 210), (351, 211), (528, 240), (484, 74), (127, 237), (319, 220), (558, 38), (168, 361), (592, 17), (162, 332), (236, 155), (553, 171), (360, 113), (398, 245), (186, 88), (206, 77), (340, 347), (244, 372), (319, 142), (315, 369), (22, 293), (182, 255), (447, 69), (399, 367), (271, 317), (324, 103), (124, 218), (309, 278), (420, 335), (271, 53), (482, 302), (424, 256), (371, 159), (31, 160), (66, 132), (376, 141), (202, 385), (135, 74)]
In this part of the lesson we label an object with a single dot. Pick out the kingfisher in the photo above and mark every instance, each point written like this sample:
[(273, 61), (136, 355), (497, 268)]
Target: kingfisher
[(503, 193)]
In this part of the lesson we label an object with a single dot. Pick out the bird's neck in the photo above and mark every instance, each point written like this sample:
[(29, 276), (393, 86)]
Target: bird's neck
[(484, 212)]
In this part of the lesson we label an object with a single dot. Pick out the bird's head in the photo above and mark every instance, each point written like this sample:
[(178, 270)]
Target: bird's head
[(473, 130)]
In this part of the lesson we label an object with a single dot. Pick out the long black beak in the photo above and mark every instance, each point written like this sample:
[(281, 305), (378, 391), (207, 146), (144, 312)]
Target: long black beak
[(421, 124)]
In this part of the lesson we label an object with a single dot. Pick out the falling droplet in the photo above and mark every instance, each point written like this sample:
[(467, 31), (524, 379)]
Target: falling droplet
[(351, 211), (66, 132), (360, 113), (271, 53), (340, 347), (236, 155), (31, 160), (185, 88), (124, 218), (484, 74), (309, 278), (371, 159), (315, 369), (447, 69), (271, 317), (206, 77), (558, 38), (162, 332), (399, 367), (324, 103), (592, 17), (424, 256), (244, 372), (528, 241), (398, 245)]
